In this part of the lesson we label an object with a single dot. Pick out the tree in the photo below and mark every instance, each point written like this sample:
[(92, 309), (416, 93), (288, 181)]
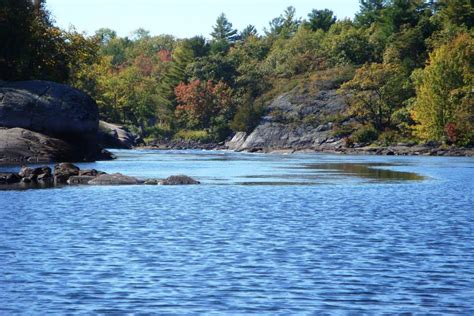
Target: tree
[(443, 106), (457, 12), (400, 13), (201, 102), (375, 92), (248, 31), (345, 43), (369, 12), (223, 30), (284, 26), (176, 73), (105, 35), (32, 48), (320, 19)]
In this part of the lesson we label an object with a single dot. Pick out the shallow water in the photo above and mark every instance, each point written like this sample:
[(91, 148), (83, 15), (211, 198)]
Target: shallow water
[(263, 234)]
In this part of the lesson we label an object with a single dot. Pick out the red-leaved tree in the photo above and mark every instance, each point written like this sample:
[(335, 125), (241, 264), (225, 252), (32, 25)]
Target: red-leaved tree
[(199, 102)]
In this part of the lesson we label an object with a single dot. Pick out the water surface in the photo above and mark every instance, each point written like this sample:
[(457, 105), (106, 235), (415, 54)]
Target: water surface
[(263, 234)]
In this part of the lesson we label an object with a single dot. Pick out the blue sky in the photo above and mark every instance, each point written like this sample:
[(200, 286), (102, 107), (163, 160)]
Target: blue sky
[(181, 18)]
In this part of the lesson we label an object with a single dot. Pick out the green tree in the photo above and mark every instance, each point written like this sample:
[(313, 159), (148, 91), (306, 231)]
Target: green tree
[(320, 19), (248, 31), (104, 35), (223, 30), (375, 93), (32, 48), (347, 44), (369, 12), (284, 26), (457, 12), (444, 93)]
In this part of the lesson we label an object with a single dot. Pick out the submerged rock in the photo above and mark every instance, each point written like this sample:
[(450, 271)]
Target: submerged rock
[(76, 180), (114, 179), (90, 172), (70, 174), (151, 181), (178, 180), (9, 178)]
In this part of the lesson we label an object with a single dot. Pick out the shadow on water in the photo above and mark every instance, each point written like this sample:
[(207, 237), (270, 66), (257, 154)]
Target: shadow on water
[(371, 171)]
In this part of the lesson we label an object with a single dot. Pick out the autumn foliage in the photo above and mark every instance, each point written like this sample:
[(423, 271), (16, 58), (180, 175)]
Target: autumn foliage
[(201, 102)]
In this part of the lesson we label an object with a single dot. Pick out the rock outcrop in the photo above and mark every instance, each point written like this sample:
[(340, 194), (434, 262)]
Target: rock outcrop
[(116, 136), (49, 108), (44, 121), (296, 120), (20, 146)]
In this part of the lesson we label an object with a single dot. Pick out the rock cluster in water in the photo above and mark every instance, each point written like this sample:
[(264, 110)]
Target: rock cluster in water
[(70, 174)]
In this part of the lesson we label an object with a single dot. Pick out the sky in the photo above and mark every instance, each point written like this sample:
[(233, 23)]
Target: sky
[(181, 18)]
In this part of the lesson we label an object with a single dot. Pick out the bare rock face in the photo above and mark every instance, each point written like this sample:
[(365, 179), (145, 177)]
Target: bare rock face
[(295, 120), (48, 108), (19, 146), (114, 179)]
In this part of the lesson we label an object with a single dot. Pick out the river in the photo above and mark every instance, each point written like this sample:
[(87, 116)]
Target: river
[(262, 234)]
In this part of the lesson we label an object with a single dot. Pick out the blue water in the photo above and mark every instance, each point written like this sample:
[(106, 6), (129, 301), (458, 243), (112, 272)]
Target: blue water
[(262, 234)]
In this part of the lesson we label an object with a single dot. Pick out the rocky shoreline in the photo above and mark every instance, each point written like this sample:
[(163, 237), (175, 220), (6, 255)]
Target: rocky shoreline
[(64, 174), (182, 145), (394, 150)]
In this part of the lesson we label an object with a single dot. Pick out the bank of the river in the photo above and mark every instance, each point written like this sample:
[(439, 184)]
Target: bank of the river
[(394, 150)]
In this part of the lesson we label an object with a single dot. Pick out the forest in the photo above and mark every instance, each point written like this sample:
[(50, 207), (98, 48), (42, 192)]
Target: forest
[(406, 67)]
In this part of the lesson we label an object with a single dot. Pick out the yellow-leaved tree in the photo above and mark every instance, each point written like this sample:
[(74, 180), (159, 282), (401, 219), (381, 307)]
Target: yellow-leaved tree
[(443, 107)]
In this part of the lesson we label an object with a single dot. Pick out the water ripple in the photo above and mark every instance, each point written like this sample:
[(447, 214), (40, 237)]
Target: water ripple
[(347, 246)]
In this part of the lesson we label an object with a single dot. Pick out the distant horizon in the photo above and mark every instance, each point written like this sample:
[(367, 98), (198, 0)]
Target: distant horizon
[(181, 18)]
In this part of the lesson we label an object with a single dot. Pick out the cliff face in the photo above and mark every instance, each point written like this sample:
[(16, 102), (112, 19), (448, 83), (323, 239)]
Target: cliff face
[(296, 120)]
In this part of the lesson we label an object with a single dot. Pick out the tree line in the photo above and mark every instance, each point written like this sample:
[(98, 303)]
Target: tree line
[(406, 67)]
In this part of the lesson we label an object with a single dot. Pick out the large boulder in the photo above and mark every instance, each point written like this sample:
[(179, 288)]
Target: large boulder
[(116, 136), (44, 121), (49, 108), (19, 146)]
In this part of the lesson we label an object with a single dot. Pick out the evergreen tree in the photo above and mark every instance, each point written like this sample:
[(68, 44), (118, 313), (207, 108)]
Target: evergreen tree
[(248, 31), (223, 30), (369, 12), (321, 19)]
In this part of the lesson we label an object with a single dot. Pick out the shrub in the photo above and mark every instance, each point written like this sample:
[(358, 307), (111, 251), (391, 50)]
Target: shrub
[(247, 118), (198, 136), (342, 131), (388, 138), (365, 134)]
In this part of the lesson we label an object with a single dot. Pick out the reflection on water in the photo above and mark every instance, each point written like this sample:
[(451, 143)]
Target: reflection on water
[(373, 171)]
